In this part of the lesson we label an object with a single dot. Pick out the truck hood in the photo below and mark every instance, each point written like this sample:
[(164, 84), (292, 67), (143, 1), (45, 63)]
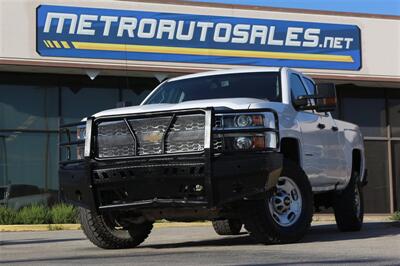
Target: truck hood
[(225, 103)]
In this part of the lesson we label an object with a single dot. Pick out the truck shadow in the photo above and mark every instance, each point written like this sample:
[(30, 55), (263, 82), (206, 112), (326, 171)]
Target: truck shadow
[(327, 233), (317, 233), (37, 241)]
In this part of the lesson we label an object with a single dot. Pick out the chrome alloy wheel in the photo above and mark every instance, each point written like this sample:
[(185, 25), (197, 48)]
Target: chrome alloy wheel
[(285, 205)]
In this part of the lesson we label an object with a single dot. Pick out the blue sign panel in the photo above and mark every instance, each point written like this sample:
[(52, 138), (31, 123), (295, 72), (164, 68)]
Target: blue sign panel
[(152, 36)]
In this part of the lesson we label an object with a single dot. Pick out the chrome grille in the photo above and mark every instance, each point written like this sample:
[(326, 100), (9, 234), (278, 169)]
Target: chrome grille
[(149, 133), (186, 134), (114, 140), (153, 135)]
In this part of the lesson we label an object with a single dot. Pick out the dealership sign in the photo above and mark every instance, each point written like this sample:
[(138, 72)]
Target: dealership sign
[(64, 31)]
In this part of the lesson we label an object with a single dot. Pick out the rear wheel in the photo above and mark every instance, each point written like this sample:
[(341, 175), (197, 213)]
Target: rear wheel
[(105, 232), (227, 226), (349, 207), (285, 215)]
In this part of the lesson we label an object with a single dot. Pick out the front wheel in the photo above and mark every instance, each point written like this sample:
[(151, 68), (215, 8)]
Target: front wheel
[(285, 215), (104, 231)]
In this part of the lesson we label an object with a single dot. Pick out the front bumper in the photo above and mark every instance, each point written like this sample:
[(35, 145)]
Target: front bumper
[(172, 182), (206, 179)]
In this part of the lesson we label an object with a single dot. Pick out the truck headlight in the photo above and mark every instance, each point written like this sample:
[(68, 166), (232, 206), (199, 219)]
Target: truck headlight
[(243, 121), (231, 121), (246, 131), (243, 143), (254, 142)]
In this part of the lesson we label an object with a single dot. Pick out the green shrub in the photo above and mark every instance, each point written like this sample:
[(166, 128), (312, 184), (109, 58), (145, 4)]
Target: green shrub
[(63, 214), (55, 227), (34, 214), (395, 216), (7, 215)]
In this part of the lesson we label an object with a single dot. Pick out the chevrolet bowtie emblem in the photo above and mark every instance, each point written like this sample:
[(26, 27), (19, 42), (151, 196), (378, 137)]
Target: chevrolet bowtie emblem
[(153, 137)]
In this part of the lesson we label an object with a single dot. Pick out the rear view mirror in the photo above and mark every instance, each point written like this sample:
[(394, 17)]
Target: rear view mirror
[(301, 102), (326, 100)]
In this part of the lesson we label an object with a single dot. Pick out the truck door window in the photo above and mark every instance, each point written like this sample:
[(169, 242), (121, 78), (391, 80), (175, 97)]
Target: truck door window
[(310, 86), (297, 87)]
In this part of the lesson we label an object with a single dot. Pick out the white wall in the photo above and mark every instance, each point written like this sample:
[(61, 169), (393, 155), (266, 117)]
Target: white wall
[(380, 38)]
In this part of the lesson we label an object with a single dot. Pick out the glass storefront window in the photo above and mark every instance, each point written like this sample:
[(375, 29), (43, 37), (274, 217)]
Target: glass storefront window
[(31, 106), (29, 159), (138, 90), (368, 113), (376, 193), (394, 112), (28, 106), (83, 98), (396, 156), (134, 97)]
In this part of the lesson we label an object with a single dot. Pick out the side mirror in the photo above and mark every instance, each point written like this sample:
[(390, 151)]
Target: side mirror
[(301, 102), (325, 97)]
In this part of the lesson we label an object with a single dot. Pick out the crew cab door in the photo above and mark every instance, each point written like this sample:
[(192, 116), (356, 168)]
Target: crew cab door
[(312, 146), (333, 162)]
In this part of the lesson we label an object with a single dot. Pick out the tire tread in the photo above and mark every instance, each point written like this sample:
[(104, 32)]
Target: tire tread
[(99, 234), (227, 227), (260, 226)]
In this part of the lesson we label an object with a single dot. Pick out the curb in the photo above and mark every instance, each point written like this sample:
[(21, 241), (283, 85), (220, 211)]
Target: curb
[(55, 227), (38, 227), (176, 224), (367, 218)]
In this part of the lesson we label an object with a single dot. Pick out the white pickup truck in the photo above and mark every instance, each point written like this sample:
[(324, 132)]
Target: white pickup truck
[(254, 146)]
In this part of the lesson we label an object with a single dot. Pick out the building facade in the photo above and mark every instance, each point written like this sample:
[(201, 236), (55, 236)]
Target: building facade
[(64, 60)]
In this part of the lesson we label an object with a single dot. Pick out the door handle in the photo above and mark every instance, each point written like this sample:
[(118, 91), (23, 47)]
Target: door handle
[(321, 126), (334, 128)]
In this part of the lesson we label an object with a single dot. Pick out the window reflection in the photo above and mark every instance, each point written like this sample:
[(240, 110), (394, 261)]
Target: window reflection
[(396, 156), (369, 114), (31, 106), (394, 113), (376, 193), (28, 107), (29, 158)]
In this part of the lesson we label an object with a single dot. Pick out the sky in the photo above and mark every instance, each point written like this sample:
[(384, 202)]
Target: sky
[(382, 7)]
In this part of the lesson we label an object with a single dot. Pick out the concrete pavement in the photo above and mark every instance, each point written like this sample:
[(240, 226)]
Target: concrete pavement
[(377, 244)]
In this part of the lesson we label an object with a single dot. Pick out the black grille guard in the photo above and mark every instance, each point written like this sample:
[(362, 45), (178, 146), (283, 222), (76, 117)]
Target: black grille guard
[(90, 160), (210, 113)]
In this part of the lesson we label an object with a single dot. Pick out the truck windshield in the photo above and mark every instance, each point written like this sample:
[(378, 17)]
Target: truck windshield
[(260, 85)]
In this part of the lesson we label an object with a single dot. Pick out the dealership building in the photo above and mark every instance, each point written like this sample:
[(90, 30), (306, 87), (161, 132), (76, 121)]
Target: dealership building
[(64, 60)]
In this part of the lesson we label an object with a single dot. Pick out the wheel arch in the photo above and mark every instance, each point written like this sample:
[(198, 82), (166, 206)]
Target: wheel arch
[(357, 164), (290, 148)]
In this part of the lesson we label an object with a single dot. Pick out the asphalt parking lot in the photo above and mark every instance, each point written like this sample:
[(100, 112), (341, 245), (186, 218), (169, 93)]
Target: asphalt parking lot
[(378, 244)]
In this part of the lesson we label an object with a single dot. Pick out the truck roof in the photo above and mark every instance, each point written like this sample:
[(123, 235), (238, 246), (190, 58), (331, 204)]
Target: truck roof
[(228, 71)]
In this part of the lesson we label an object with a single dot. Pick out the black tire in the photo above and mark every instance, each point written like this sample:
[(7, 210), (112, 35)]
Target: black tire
[(227, 227), (348, 216), (101, 232), (260, 222)]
